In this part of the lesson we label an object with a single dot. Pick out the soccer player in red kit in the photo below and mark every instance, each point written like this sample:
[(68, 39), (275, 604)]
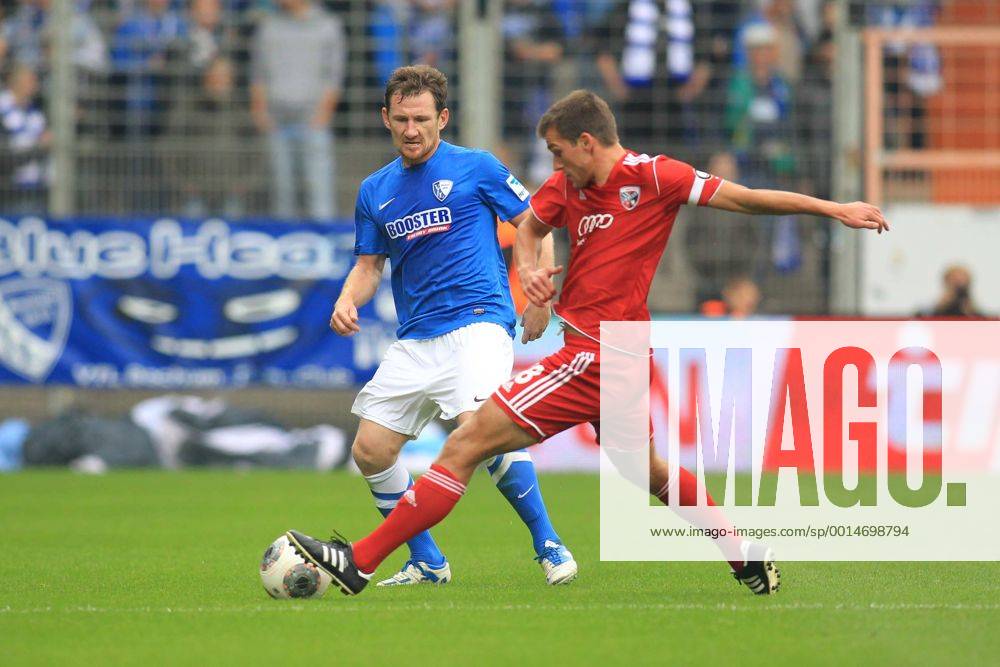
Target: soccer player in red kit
[(618, 209)]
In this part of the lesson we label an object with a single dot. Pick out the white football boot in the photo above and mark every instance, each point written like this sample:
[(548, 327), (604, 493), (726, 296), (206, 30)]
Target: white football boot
[(557, 563), (418, 572)]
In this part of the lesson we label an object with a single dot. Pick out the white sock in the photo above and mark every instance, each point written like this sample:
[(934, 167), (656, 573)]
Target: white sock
[(389, 485)]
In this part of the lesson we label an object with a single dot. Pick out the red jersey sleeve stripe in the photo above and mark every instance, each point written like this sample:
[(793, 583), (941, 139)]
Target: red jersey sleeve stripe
[(703, 189), (696, 187)]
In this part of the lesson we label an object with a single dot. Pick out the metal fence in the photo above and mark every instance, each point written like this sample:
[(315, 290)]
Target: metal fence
[(235, 108)]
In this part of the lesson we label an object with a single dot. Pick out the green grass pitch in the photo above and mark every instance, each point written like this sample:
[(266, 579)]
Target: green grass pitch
[(161, 568)]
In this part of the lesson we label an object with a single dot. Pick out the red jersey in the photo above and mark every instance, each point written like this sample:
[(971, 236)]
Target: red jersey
[(617, 234)]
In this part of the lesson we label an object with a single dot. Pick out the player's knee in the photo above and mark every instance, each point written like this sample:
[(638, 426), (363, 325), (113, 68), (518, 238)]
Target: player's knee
[(371, 456)]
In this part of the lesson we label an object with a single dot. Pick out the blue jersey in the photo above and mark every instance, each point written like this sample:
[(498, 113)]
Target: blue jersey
[(437, 223)]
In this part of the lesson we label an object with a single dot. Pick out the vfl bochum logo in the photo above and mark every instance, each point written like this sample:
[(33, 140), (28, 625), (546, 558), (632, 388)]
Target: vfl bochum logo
[(441, 189), (34, 322)]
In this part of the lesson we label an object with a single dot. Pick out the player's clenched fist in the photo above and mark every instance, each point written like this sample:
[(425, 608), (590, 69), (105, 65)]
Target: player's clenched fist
[(538, 286), (861, 215), (344, 319)]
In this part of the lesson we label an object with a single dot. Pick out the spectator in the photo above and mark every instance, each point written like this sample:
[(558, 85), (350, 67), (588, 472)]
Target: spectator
[(298, 71), (813, 111), (722, 20), (759, 118), (956, 296), (209, 37), (573, 17), (431, 33), (740, 298), (586, 39), (424, 26), (534, 43), (758, 112), (142, 49), (789, 36), (24, 139), (215, 170), (387, 29), (811, 18), (25, 36), (912, 71), (656, 64)]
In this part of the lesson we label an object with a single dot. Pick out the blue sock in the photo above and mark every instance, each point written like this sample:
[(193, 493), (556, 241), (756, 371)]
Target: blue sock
[(387, 487), (514, 475)]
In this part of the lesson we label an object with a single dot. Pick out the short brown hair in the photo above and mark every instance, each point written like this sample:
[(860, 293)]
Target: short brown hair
[(415, 79), (581, 111)]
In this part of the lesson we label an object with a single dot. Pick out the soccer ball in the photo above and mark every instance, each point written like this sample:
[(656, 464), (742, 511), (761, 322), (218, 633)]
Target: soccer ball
[(286, 574)]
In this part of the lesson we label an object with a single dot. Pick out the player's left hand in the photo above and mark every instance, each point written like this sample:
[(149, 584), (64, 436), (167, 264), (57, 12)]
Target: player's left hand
[(861, 215), (537, 285), (535, 320), (344, 319)]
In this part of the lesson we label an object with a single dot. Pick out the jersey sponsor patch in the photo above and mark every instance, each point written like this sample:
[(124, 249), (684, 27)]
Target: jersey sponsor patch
[(629, 196), (589, 223), (517, 188), (431, 221), (441, 189)]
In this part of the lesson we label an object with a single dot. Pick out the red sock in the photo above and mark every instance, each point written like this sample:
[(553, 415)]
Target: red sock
[(426, 503), (710, 517)]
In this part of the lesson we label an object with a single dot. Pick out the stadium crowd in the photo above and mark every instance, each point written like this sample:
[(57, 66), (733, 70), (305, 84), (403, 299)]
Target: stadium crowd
[(245, 107)]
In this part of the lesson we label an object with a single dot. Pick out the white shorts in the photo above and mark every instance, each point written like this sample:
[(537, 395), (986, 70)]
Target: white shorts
[(418, 380)]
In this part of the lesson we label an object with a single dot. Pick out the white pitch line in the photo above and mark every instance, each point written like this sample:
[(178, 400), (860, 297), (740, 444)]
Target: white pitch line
[(323, 608)]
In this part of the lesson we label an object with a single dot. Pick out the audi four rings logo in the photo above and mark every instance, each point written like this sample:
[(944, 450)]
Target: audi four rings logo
[(589, 223)]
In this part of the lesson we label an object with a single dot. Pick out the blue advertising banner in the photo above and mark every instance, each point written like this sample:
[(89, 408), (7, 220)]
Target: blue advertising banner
[(170, 303)]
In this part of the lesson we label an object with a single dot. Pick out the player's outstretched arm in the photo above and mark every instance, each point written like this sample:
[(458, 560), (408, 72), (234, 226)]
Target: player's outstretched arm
[(359, 288), (740, 199), (536, 280)]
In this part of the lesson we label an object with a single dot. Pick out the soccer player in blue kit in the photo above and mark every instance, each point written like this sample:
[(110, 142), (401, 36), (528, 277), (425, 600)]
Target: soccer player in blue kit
[(432, 211)]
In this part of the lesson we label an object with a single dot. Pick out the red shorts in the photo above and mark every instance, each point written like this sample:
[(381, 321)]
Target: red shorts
[(559, 392), (564, 389)]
